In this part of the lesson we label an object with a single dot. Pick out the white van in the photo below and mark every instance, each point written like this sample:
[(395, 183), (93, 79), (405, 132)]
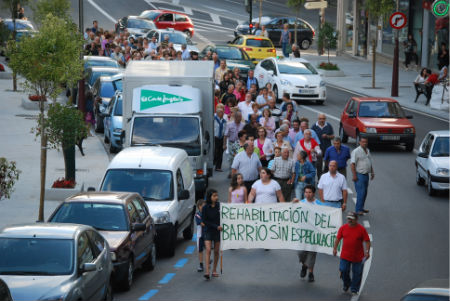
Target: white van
[(163, 177)]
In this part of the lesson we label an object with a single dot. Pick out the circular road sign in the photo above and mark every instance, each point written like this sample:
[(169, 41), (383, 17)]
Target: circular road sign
[(440, 8), (397, 20)]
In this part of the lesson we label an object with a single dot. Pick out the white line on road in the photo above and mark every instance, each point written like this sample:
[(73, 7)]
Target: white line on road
[(188, 10), (366, 224), (371, 238), (320, 112), (205, 23), (151, 4), (215, 18), (102, 11), (354, 200), (365, 273)]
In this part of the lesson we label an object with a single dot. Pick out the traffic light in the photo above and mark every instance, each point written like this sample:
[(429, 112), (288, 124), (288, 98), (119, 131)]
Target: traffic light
[(250, 27)]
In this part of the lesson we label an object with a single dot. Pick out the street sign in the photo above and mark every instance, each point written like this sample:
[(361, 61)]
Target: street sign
[(440, 8), (316, 5), (397, 20)]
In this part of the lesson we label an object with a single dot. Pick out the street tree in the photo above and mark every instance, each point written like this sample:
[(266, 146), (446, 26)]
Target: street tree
[(9, 174), (296, 5), (48, 61), (327, 38), (378, 9), (58, 8)]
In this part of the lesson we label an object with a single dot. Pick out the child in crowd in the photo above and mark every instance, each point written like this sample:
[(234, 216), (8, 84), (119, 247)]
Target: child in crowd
[(277, 151), (200, 240), (237, 193)]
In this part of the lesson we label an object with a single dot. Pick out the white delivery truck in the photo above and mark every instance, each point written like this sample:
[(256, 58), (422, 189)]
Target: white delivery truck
[(171, 103)]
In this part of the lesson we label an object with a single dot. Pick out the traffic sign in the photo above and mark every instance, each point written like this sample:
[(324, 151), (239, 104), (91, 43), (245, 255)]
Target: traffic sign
[(397, 20), (440, 8), (316, 5)]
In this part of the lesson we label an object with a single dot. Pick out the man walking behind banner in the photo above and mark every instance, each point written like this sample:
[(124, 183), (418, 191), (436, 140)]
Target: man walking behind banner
[(284, 173), (353, 254), (333, 188), (361, 167)]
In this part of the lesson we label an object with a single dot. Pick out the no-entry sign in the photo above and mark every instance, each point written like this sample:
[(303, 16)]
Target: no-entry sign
[(397, 20)]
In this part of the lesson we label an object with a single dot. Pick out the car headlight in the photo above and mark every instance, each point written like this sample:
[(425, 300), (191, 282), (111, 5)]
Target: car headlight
[(442, 171), (409, 131), (371, 130), (285, 82), (322, 83), (161, 217), (113, 256)]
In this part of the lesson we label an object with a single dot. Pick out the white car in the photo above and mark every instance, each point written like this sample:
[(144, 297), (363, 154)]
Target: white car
[(297, 77), (433, 161)]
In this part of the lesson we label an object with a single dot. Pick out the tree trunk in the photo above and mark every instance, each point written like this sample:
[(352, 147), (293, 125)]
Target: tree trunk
[(14, 39), (43, 163), (69, 162), (260, 11), (373, 62), (295, 26)]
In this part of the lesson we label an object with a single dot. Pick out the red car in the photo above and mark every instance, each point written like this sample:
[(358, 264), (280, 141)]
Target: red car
[(170, 19), (381, 120)]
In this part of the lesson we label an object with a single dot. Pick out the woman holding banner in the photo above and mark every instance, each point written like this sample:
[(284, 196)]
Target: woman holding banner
[(211, 219), (265, 190)]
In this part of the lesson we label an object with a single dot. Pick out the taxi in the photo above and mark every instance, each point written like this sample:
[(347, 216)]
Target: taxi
[(257, 47)]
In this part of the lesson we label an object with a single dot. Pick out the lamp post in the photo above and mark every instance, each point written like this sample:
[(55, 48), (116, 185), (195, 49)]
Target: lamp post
[(394, 88), (81, 101)]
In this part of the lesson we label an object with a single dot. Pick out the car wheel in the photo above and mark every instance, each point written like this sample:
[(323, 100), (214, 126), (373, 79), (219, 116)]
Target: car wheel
[(431, 191), (188, 33), (127, 279), (188, 233), (275, 92), (319, 101), (305, 44), (409, 146), (150, 263), (419, 180), (342, 135), (109, 292)]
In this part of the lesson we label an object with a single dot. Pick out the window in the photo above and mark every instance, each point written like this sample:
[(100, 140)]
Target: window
[(180, 185), (441, 147), (380, 109), (428, 144), (186, 172), (180, 18), (107, 89), (140, 209), (133, 214), (259, 43), (166, 18), (351, 107), (238, 41), (296, 68), (266, 64), (119, 107), (98, 243), (84, 251)]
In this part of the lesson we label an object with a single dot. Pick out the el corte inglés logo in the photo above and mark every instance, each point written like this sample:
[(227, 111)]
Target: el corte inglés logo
[(151, 99)]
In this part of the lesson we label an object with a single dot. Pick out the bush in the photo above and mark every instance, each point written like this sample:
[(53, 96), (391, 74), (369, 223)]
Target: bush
[(9, 174), (328, 66)]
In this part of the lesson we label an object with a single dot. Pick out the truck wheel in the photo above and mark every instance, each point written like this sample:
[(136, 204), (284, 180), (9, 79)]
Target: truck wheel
[(188, 233), (342, 135), (150, 262)]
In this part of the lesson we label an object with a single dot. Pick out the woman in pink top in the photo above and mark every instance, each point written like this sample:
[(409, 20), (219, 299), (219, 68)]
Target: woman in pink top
[(268, 123), (237, 193), (265, 146)]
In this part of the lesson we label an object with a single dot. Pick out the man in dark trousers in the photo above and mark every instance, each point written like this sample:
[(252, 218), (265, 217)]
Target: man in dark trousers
[(219, 133)]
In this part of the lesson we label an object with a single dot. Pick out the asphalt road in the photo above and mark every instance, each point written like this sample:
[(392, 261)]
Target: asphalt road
[(410, 230)]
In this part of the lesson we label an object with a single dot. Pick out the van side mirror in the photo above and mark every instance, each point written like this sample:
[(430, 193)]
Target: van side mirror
[(183, 195), (88, 267)]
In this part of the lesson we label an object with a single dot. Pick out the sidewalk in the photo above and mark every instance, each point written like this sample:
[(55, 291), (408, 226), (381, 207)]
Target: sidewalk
[(19, 145), (358, 78)]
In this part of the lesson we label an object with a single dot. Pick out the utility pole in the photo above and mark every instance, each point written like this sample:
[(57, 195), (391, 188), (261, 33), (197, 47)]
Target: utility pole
[(394, 88), (81, 101), (249, 9), (260, 11)]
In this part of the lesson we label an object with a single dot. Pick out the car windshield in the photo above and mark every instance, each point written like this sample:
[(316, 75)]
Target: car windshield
[(107, 217), (151, 184), (229, 53), (296, 68), (100, 63), (180, 132), (380, 109), (107, 90), (441, 147), (36, 256), (177, 38), (259, 43), (97, 74), (139, 23), (119, 108), (149, 15)]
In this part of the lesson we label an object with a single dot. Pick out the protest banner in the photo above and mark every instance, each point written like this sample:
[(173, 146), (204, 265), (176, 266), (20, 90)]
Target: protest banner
[(294, 226)]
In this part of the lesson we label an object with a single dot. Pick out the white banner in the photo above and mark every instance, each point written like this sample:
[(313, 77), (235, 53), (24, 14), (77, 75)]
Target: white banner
[(294, 226)]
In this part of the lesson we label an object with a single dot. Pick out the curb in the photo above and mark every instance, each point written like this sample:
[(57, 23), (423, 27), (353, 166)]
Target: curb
[(60, 194)]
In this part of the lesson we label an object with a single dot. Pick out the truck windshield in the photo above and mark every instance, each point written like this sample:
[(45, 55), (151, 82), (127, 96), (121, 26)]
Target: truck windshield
[(152, 184), (180, 132)]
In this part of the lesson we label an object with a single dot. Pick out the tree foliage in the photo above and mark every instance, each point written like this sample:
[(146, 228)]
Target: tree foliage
[(380, 8), (9, 174), (58, 8), (327, 38)]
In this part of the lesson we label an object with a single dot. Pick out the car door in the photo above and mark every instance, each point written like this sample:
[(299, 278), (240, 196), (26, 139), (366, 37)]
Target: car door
[(422, 163), (261, 73), (165, 20), (101, 260), (144, 215), (184, 212), (89, 281), (349, 124), (137, 237), (181, 22), (273, 79), (276, 26)]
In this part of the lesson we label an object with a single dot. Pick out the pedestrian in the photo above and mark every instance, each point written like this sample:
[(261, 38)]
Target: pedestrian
[(410, 51), (276, 113), (251, 140), (264, 32), (295, 51), (211, 220), (263, 99), (237, 193), (443, 55), (290, 114), (304, 125), (325, 132), (362, 166), (353, 255), (251, 79), (251, 128), (285, 40), (268, 123), (305, 173), (339, 153), (265, 190), (247, 163), (220, 71), (310, 146), (282, 143), (277, 152), (200, 238), (308, 258), (219, 133), (283, 170), (231, 134), (118, 56), (264, 145), (333, 188), (286, 99)]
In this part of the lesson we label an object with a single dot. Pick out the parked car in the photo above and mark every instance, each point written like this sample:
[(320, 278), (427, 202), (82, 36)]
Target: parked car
[(92, 73), (5, 294), (257, 47), (104, 87), (50, 261), (431, 290), (235, 57), (135, 25), (125, 222), (274, 27), (294, 76), (175, 37), (163, 176), (99, 61), (112, 119), (433, 161), (170, 19), (381, 120), (23, 28)]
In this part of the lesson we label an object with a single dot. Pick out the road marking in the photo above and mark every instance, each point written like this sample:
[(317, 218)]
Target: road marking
[(148, 295), (210, 26), (354, 200), (102, 11), (366, 224), (166, 278), (180, 263), (215, 18), (366, 270), (320, 112), (205, 40), (151, 4), (194, 237), (188, 10), (349, 191), (189, 250)]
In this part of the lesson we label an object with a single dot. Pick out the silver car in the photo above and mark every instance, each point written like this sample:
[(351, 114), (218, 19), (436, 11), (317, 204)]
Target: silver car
[(55, 262)]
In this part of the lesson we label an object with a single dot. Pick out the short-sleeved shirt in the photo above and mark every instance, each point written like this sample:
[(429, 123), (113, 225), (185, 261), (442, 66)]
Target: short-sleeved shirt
[(232, 130), (362, 160), (246, 109), (247, 166), (352, 245), (266, 193), (261, 100), (283, 169), (332, 186), (341, 157)]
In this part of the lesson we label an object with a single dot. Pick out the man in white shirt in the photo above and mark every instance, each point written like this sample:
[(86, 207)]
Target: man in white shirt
[(153, 45), (246, 106), (186, 54), (333, 187), (361, 163)]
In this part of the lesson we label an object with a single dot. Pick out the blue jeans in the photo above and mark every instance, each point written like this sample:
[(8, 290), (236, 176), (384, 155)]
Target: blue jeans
[(361, 186), (299, 190), (333, 204), (354, 282), (284, 49)]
